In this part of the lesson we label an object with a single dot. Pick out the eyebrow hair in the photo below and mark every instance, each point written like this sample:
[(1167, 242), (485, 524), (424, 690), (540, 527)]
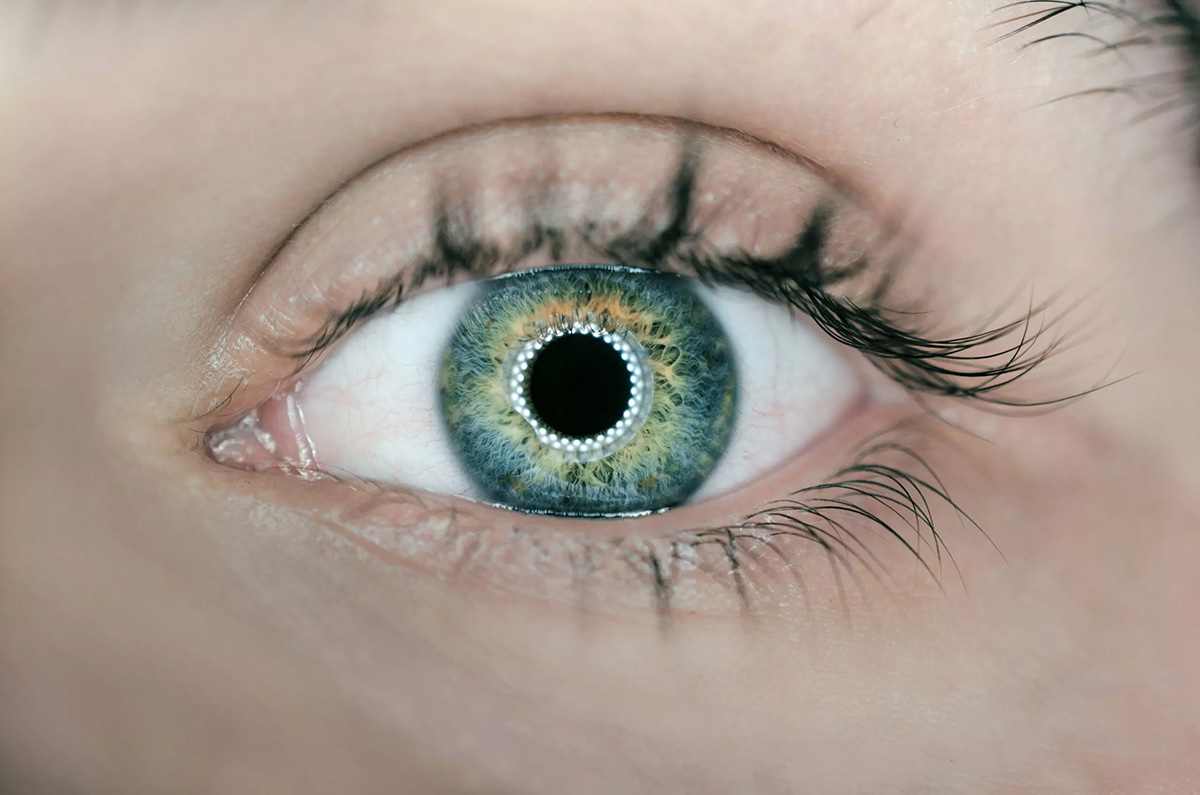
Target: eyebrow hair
[(40, 15), (1157, 24), (1181, 13), (1183, 17)]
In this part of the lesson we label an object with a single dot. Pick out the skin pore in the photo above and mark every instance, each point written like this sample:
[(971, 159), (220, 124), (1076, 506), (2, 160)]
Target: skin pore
[(167, 623)]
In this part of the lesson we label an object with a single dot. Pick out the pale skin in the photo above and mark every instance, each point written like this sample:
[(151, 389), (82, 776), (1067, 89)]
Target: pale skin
[(173, 625)]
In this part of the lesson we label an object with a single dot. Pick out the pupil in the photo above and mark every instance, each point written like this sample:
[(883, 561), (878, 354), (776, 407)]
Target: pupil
[(579, 385)]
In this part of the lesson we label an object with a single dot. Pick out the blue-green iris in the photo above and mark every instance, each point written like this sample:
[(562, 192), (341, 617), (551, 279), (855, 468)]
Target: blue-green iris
[(588, 390)]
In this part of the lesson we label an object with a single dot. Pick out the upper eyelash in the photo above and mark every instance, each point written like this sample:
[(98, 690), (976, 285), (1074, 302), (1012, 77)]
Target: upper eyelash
[(968, 366), (978, 366)]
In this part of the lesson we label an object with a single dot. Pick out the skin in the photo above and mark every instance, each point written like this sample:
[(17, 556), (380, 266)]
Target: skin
[(170, 625)]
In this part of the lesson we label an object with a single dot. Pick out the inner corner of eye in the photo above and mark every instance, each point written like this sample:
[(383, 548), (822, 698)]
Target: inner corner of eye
[(585, 390)]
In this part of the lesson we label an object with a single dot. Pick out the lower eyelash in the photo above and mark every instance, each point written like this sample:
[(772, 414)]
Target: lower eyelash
[(830, 516), (889, 493)]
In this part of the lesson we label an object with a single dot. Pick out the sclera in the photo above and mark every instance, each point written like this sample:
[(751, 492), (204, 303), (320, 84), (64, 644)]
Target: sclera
[(371, 411)]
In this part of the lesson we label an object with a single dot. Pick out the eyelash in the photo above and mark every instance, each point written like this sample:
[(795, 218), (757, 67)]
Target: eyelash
[(975, 366), (1176, 25), (814, 514), (887, 478)]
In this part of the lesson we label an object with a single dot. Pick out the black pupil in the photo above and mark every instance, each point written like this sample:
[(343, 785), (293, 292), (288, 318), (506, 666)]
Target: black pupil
[(579, 386)]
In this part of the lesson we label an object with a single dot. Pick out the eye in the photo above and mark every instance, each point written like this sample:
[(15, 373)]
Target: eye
[(583, 390), (721, 348)]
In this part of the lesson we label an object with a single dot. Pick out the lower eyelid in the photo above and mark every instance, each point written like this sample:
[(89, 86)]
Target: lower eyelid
[(610, 565)]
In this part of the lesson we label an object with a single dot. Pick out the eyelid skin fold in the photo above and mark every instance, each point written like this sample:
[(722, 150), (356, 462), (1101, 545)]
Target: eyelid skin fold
[(515, 197), (684, 199)]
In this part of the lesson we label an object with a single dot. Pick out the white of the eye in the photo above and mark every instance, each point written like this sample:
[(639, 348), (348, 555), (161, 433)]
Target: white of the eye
[(372, 408), (793, 385)]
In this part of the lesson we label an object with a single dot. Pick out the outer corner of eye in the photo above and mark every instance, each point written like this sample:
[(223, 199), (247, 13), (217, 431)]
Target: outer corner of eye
[(585, 391)]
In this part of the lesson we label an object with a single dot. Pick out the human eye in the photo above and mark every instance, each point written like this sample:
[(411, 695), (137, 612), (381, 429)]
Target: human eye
[(578, 390), (670, 351), (905, 499)]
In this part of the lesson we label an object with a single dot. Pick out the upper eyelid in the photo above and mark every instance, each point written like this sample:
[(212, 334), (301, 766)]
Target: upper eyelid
[(980, 364), (448, 216)]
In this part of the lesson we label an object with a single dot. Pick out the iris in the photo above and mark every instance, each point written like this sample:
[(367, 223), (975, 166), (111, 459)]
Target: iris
[(588, 390)]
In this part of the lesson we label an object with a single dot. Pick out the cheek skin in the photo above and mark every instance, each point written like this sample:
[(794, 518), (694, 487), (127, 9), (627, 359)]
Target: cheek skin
[(161, 626)]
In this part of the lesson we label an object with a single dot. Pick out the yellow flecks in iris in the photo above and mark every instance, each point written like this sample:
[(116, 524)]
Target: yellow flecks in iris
[(648, 451)]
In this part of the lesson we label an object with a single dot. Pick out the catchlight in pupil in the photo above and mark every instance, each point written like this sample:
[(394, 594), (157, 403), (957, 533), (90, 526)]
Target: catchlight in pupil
[(579, 385)]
